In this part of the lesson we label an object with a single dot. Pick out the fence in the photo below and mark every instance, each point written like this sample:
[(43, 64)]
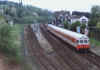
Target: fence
[(94, 33)]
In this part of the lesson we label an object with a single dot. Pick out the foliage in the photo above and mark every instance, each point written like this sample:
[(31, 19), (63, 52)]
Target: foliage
[(9, 44), (95, 15), (66, 25), (83, 26), (92, 23), (98, 25), (28, 14), (74, 25), (5, 38), (95, 42), (2, 20)]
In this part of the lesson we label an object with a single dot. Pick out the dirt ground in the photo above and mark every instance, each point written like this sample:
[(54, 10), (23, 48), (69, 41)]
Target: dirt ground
[(2, 64), (7, 66)]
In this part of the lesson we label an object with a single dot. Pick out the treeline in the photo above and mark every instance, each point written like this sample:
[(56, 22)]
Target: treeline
[(95, 17), (24, 14)]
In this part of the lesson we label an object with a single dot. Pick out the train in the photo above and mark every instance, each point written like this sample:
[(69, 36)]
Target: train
[(77, 40)]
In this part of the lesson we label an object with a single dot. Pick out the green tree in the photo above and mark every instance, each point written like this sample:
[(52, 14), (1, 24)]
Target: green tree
[(66, 24), (74, 25), (98, 25), (25, 14), (83, 26), (7, 40), (95, 15)]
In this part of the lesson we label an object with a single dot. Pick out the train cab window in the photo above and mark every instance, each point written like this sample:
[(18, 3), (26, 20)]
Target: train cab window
[(81, 41), (85, 41)]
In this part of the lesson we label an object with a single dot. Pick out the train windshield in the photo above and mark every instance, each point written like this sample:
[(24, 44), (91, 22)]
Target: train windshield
[(85, 41), (81, 41)]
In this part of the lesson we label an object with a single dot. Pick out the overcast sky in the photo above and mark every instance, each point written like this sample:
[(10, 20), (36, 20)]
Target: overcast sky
[(70, 5)]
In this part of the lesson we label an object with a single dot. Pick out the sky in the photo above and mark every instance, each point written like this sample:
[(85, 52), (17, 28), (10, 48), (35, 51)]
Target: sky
[(69, 5)]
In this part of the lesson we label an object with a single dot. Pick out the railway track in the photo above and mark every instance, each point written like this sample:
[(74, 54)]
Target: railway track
[(74, 60), (92, 57), (34, 49), (44, 61)]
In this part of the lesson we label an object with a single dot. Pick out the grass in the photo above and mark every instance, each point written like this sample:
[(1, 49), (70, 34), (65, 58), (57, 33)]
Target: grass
[(94, 42)]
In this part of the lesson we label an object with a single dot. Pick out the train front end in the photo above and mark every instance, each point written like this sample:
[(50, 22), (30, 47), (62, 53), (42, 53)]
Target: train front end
[(83, 43)]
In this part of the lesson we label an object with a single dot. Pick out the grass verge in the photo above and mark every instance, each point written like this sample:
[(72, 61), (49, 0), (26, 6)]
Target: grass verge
[(94, 42)]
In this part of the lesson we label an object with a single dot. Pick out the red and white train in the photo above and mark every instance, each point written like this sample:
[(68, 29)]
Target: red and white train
[(77, 40)]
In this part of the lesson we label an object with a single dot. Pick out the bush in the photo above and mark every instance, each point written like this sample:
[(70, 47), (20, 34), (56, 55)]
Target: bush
[(92, 23), (66, 24), (74, 25), (8, 44), (83, 26), (98, 25)]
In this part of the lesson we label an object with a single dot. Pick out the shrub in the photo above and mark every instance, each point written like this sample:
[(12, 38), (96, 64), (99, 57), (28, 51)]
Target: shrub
[(74, 25), (83, 26), (8, 44), (98, 25), (66, 24)]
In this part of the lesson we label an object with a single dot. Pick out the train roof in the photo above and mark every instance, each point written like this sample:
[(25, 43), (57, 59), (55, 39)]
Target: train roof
[(68, 32)]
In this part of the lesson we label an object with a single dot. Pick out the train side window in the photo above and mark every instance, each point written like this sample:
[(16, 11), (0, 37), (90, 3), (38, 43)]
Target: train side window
[(81, 41)]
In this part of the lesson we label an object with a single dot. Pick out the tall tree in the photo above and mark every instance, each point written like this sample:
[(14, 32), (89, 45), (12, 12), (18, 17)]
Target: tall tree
[(95, 15)]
